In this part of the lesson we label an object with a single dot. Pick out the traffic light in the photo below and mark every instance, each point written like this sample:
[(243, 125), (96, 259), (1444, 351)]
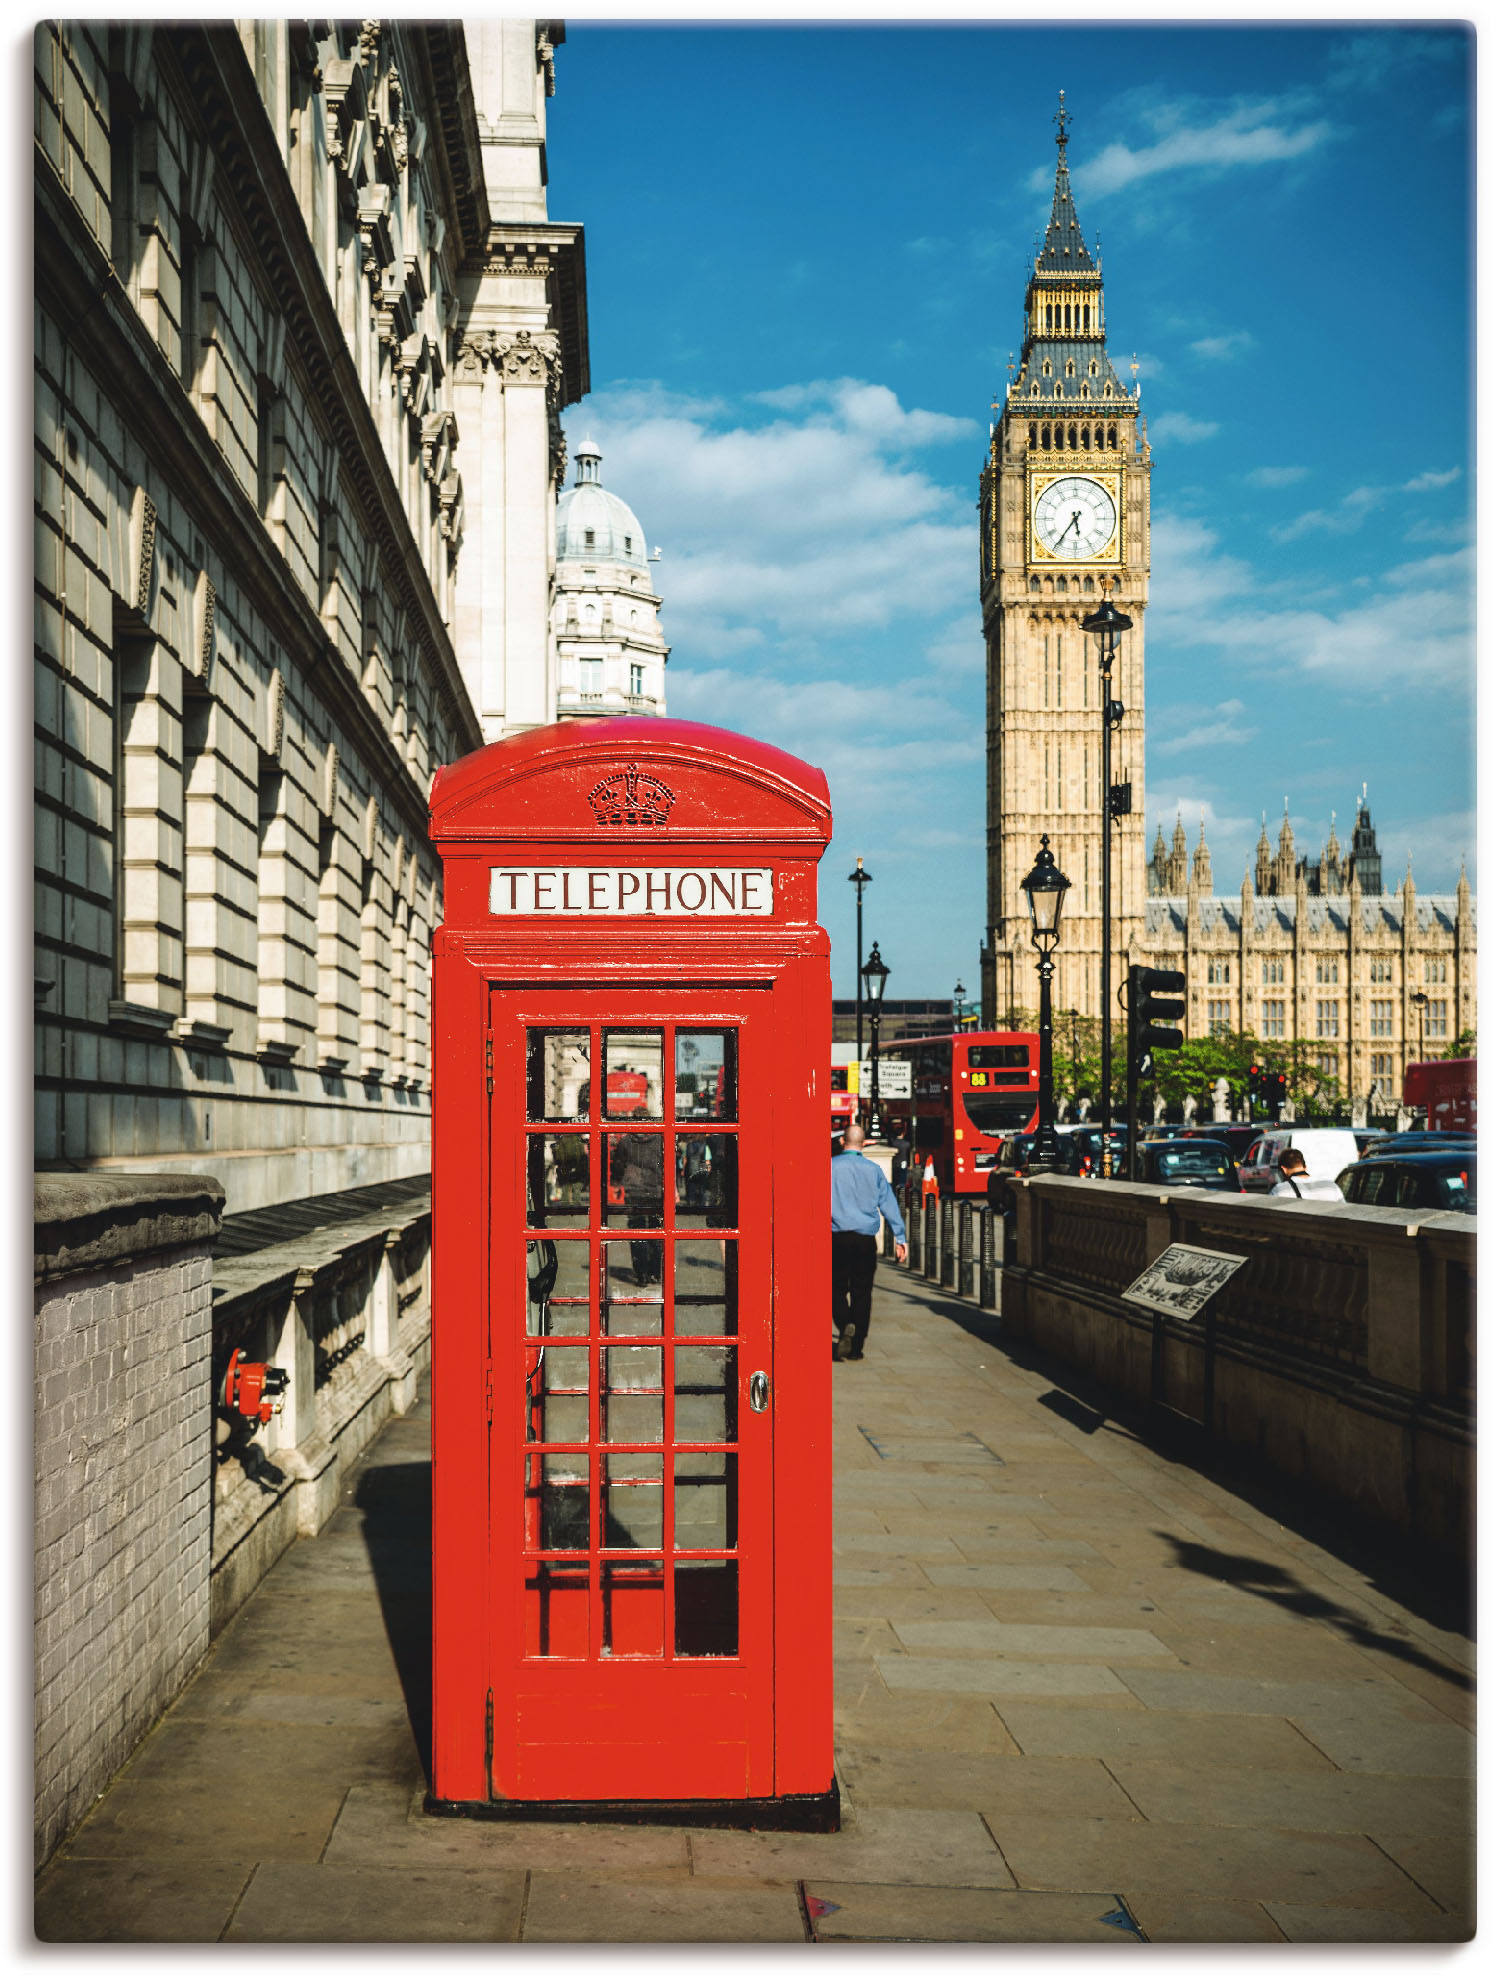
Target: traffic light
[(1150, 991), (1266, 1091)]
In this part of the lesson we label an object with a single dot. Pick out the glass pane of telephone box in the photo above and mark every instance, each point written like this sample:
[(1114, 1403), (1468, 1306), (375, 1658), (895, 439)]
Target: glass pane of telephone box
[(564, 1502), (632, 1608), (704, 1501), (704, 1388), (633, 1163), (632, 1509), (706, 1608), (559, 1076), (705, 1074), (705, 1180), (559, 1405), (559, 1180), (559, 1286), (632, 1393), (704, 1288), (632, 1288), (557, 1611), (634, 1073)]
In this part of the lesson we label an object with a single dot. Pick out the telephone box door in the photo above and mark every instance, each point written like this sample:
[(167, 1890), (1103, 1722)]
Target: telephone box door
[(631, 1344)]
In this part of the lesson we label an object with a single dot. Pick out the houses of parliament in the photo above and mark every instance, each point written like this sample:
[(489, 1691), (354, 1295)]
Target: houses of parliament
[(1309, 951)]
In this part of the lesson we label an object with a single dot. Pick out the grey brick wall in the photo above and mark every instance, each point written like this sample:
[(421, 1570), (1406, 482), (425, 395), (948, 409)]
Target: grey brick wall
[(123, 1450)]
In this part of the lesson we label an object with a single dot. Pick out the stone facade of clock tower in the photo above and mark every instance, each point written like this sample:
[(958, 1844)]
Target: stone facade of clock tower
[(1064, 515)]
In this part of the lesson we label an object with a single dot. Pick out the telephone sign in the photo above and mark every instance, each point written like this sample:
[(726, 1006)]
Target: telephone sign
[(631, 1387)]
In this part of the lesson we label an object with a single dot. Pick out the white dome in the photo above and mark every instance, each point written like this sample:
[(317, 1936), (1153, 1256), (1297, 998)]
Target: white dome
[(592, 525)]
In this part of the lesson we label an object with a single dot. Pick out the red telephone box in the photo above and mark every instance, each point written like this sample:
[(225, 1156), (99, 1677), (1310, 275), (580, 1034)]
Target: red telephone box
[(631, 1280)]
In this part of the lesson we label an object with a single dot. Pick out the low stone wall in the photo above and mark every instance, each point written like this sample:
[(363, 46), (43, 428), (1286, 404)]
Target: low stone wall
[(346, 1312), (123, 1460), (1341, 1355)]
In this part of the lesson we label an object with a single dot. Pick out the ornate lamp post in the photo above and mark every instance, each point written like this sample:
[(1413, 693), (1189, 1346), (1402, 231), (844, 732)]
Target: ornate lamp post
[(859, 878), (1421, 1002), (958, 1005), (1106, 623), (1045, 888), (874, 973)]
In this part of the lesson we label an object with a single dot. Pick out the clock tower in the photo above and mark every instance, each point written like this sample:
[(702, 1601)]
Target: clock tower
[(1064, 515)]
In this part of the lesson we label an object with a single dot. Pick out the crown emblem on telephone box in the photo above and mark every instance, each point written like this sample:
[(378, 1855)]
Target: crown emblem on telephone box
[(631, 800)]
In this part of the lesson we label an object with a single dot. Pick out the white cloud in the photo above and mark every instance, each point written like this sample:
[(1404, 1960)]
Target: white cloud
[(1275, 476), (1427, 483), (1223, 729), (1222, 349), (1343, 519), (1182, 430), (1250, 134)]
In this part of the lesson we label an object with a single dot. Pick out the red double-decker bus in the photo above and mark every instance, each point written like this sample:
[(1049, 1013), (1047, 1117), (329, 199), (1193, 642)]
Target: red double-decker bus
[(1445, 1090), (971, 1090)]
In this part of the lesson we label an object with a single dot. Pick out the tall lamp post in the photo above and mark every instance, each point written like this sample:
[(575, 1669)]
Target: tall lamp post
[(1106, 623), (874, 973), (859, 878), (958, 1004), (1421, 1002), (1045, 888)]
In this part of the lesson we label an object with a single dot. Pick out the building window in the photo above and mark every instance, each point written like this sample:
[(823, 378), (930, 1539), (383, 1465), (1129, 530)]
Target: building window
[(1326, 1018), (1272, 973), (1217, 973), (627, 543), (1435, 1018), (1380, 1018), (590, 677), (1381, 1068), (1326, 970), (1219, 1017), (1326, 1062), (1435, 971), (1380, 968), (637, 683), (1272, 1022)]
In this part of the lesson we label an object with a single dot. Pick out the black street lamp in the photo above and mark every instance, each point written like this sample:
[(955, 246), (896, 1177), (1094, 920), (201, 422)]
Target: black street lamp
[(958, 1005), (1106, 623), (1421, 1002), (874, 973), (859, 878), (1045, 888)]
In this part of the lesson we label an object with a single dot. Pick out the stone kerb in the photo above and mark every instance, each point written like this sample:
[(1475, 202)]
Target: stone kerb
[(123, 1457)]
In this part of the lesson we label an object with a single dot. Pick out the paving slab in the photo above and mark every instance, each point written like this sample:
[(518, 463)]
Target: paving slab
[(994, 1677), (1324, 1924), (1197, 1741), (1366, 1699), (567, 1907), (1296, 1799), (1076, 1853), (1361, 1739), (915, 1847), (1165, 1917), (925, 1722), (381, 1824), (138, 1899), (839, 1911), (1007, 1577), (928, 1778), (366, 1903), (1446, 1871)]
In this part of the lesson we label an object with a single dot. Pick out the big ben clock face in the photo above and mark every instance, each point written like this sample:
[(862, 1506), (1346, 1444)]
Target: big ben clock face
[(1074, 518)]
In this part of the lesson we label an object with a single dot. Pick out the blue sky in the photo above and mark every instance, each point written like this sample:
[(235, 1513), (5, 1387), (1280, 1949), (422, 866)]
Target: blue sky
[(807, 251)]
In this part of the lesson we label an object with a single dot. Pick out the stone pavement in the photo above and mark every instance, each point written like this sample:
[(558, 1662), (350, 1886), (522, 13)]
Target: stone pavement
[(1084, 1694)]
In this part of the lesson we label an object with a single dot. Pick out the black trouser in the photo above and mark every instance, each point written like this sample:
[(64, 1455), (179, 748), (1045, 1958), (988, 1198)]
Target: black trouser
[(854, 1271)]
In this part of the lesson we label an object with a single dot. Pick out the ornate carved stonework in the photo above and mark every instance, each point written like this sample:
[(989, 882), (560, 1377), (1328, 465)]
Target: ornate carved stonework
[(628, 799), (143, 543), (329, 776), (274, 716), (528, 359), (199, 653)]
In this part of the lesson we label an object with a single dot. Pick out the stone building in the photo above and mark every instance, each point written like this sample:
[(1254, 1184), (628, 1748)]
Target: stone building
[(303, 335), (303, 331), (608, 641), (1064, 515)]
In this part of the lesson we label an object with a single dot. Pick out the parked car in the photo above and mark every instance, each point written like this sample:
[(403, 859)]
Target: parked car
[(1080, 1150), (1205, 1162), (1327, 1149), (1444, 1180), (1164, 1131), (1395, 1144), (1237, 1138)]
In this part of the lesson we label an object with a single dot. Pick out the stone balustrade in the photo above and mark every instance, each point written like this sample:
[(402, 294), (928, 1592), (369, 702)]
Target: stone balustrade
[(1341, 1355)]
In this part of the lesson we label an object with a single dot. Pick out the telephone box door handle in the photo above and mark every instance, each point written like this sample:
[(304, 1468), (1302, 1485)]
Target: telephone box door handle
[(761, 1391)]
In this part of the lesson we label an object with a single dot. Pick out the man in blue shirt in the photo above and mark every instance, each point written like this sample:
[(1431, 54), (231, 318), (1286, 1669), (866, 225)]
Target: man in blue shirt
[(859, 1196)]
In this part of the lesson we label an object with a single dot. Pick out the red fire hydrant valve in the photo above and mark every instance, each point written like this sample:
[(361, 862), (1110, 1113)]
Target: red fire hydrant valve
[(253, 1390)]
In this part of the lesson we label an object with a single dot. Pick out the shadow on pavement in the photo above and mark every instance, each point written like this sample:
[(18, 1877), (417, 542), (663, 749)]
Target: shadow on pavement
[(394, 1501)]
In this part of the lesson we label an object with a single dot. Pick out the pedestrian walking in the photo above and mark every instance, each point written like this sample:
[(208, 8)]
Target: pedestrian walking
[(859, 1196), (1295, 1182)]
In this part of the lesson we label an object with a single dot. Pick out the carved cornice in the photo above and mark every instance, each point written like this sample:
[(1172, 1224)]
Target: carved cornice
[(556, 250)]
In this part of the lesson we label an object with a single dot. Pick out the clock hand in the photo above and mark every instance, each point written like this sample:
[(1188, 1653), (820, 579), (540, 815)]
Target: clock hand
[(1071, 524)]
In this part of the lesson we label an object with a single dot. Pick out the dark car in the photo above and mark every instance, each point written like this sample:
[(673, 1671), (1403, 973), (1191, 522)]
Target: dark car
[(1394, 1145), (1080, 1152), (1237, 1138), (1205, 1162), (1444, 1181)]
